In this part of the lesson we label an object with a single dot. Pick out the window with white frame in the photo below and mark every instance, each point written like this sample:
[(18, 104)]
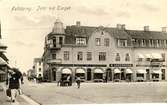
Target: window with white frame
[(89, 56), (102, 56), (127, 57), (97, 41), (66, 55), (106, 42), (117, 58), (80, 41), (80, 56)]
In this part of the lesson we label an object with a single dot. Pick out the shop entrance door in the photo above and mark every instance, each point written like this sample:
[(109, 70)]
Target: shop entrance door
[(148, 74), (54, 74), (163, 74), (89, 74)]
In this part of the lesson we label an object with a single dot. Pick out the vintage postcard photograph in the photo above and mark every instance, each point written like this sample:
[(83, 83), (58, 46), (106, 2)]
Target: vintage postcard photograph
[(83, 52)]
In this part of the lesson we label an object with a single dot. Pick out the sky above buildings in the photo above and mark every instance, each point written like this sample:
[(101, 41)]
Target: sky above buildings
[(25, 23)]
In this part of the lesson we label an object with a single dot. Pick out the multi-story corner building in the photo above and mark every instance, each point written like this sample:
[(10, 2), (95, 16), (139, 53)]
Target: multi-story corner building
[(3, 60), (97, 52), (38, 67)]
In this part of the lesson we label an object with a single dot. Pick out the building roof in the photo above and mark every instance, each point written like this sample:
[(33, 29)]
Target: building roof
[(85, 31), (147, 34)]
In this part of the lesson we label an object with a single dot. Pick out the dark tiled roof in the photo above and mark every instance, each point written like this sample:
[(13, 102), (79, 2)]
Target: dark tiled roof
[(147, 34), (85, 31)]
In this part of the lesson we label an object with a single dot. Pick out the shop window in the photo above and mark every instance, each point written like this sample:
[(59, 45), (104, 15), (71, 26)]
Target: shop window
[(89, 56), (140, 59), (127, 57), (155, 76), (148, 59), (97, 41), (66, 55), (117, 58), (80, 56), (140, 75), (106, 42), (102, 56)]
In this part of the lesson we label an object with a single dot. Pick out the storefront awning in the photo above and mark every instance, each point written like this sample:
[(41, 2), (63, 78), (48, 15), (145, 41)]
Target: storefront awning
[(66, 71), (98, 71), (80, 71), (148, 55), (129, 71), (140, 55), (156, 56), (2, 61), (117, 71), (156, 72), (140, 71), (2, 72)]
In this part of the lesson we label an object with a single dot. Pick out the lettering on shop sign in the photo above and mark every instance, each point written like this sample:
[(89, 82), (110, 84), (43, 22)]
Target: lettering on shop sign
[(121, 65)]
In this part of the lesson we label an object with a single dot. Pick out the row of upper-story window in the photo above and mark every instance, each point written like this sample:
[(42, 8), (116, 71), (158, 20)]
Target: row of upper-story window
[(98, 41), (142, 43), (102, 56)]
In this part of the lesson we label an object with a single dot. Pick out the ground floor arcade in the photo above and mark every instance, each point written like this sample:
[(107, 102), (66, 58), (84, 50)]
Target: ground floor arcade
[(99, 74)]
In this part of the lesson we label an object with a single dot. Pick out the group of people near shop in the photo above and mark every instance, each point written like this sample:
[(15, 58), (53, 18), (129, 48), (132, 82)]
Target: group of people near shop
[(66, 80)]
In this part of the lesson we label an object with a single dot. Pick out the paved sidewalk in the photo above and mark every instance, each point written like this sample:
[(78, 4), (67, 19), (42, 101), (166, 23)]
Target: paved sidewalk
[(4, 100), (20, 100)]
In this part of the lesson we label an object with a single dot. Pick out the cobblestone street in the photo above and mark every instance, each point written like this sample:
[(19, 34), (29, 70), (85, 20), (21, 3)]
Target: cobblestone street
[(141, 92)]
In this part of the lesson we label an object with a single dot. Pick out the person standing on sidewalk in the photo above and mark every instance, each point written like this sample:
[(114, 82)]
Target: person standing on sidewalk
[(14, 83), (78, 81)]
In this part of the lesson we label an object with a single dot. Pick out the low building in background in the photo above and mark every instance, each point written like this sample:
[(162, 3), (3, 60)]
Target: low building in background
[(38, 67), (98, 53)]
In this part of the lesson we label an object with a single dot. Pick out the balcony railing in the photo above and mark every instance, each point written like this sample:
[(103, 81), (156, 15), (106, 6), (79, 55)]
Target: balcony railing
[(57, 61), (55, 46)]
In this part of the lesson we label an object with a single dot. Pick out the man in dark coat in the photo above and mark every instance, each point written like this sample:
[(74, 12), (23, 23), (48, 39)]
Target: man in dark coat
[(14, 83)]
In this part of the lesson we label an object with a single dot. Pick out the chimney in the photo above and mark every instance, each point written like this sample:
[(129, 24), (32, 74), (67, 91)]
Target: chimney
[(146, 28), (119, 26), (164, 29), (123, 26), (78, 23)]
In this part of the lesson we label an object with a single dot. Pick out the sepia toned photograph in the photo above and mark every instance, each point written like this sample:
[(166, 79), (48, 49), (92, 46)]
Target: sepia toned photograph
[(83, 52)]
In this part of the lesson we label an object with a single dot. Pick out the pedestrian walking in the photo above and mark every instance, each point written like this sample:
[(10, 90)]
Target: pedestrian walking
[(13, 83), (78, 81)]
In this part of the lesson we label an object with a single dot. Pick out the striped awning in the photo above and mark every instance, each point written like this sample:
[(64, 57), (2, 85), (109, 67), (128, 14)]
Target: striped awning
[(129, 71), (141, 71), (66, 71), (156, 72), (148, 55), (80, 71), (2, 61), (98, 71), (117, 71), (140, 55), (156, 56)]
